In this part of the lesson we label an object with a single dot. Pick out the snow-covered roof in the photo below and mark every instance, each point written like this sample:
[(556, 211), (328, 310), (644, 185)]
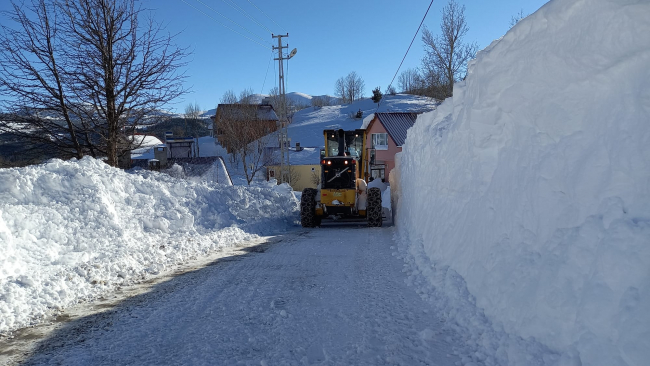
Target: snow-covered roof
[(264, 112), (306, 156)]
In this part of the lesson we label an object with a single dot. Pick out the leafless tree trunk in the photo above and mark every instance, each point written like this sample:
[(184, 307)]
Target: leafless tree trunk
[(447, 54)]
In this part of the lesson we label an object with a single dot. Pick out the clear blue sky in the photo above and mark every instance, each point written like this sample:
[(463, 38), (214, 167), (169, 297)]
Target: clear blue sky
[(333, 38)]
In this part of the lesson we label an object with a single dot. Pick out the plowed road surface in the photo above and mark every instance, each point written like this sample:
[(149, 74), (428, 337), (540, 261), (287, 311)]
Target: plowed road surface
[(334, 295)]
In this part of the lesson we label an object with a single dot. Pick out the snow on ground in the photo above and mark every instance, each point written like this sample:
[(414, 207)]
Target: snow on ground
[(329, 296), (73, 230), (526, 197)]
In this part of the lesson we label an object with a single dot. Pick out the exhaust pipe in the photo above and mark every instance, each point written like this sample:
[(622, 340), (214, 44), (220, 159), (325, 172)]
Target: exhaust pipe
[(341, 137)]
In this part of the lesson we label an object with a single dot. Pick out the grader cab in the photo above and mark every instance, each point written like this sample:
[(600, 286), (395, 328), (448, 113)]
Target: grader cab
[(342, 192)]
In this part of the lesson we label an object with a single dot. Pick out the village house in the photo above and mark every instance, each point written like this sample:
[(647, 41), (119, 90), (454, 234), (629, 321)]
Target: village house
[(244, 122), (386, 134)]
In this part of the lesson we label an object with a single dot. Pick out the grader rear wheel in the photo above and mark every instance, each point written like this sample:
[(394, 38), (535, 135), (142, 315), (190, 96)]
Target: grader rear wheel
[(308, 208)]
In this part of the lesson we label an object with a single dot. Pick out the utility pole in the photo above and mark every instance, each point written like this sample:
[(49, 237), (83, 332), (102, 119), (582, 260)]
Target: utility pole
[(285, 176)]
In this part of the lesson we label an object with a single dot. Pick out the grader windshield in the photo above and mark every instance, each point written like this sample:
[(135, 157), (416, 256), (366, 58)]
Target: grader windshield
[(352, 143)]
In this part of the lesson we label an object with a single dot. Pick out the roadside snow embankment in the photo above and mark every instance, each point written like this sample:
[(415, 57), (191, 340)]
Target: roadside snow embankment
[(72, 230), (533, 185)]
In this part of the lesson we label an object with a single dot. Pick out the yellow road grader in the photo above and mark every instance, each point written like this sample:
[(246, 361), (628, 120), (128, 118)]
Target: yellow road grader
[(342, 193)]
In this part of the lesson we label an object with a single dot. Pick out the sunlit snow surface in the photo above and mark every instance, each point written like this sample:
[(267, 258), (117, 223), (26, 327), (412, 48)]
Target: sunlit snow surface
[(531, 189), (74, 230), (523, 202)]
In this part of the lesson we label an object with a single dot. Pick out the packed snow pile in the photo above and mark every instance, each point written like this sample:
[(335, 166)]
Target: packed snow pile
[(73, 230), (531, 187)]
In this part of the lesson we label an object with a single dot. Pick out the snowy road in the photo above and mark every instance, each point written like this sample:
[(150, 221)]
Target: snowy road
[(334, 295)]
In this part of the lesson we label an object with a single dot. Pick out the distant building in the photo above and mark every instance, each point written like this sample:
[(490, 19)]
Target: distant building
[(248, 121), (179, 147), (304, 169)]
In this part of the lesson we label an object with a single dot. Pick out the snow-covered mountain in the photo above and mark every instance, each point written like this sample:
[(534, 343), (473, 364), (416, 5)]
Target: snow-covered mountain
[(300, 100)]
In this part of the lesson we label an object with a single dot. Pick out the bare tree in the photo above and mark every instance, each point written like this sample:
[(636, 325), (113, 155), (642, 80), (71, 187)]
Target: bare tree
[(92, 68), (229, 97), (192, 116), (355, 86), (281, 104), (244, 128), (408, 80), (432, 83), (247, 96), (447, 54), (33, 77), (321, 101), (349, 88), (125, 70), (294, 174), (193, 111), (315, 177), (519, 16), (340, 91)]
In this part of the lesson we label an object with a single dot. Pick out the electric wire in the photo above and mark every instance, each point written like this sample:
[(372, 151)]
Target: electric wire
[(237, 7), (224, 25), (267, 73), (271, 19), (407, 51)]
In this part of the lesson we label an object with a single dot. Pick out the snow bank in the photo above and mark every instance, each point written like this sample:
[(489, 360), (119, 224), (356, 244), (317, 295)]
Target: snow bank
[(72, 230), (531, 187)]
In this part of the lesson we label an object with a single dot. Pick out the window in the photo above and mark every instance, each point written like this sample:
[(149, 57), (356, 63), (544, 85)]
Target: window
[(380, 141)]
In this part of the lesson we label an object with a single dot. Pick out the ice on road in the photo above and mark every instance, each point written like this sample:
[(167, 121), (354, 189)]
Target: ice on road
[(333, 295)]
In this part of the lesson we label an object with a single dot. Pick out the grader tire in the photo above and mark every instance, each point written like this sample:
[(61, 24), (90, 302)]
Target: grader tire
[(308, 208), (373, 207)]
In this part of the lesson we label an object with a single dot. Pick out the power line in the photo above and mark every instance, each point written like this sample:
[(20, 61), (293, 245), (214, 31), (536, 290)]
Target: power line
[(235, 6), (271, 19), (267, 72), (407, 51), (213, 18)]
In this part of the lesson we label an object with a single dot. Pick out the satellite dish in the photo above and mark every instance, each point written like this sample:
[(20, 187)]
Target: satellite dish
[(293, 53)]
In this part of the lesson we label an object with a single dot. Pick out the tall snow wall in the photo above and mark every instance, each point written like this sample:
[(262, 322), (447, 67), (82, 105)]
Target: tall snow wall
[(533, 183)]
